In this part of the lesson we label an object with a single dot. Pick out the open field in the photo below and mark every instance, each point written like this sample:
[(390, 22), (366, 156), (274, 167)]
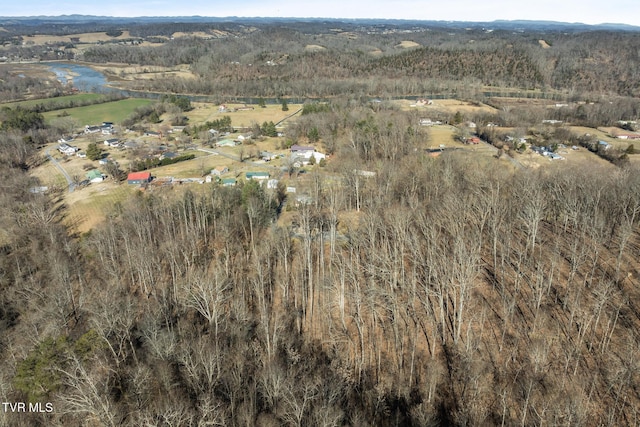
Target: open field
[(115, 111), (51, 103), (447, 105), (89, 206), (91, 38), (204, 112), (124, 72), (407, 44)]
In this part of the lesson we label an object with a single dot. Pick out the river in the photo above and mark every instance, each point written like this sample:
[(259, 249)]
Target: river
[(86, 79)]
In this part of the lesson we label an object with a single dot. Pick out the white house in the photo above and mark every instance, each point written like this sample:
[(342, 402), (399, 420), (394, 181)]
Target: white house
[(67, 149), (303, 154), (113, 142), (219, 170)]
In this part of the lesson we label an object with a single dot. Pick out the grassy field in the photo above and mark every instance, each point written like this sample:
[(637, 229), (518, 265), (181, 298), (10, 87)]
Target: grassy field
[(51, 103), (115, 111), (87, 207), (204, 112)]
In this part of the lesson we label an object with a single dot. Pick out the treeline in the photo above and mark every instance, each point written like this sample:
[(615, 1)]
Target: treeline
[(272, 61), (13, 86), (150, 163)]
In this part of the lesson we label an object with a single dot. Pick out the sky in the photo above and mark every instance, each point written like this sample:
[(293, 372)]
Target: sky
[(583, 11)]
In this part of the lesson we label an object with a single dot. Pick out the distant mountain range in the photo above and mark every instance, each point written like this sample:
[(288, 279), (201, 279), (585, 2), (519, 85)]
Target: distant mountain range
[(515, 25)]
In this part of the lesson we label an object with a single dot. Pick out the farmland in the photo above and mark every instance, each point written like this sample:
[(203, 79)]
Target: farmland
[(115, 111)]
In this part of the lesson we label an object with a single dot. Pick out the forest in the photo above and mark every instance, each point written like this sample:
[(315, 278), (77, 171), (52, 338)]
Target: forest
[(407, 290)]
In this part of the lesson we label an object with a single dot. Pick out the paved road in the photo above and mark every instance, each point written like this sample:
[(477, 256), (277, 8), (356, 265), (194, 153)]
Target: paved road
[(57, 164)]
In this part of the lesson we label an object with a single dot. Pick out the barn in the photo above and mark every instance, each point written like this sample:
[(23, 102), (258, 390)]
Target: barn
[(139, 177)]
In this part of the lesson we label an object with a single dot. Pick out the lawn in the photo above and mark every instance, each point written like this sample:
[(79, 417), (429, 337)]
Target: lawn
[(115, 111)]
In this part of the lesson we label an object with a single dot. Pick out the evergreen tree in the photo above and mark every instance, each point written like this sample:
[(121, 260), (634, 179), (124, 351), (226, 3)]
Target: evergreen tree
[(93, 151)]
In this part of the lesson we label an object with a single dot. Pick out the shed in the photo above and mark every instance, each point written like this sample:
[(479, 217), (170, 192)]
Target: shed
[(138, 177)]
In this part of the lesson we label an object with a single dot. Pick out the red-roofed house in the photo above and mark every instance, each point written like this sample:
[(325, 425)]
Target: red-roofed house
[(138, 177)]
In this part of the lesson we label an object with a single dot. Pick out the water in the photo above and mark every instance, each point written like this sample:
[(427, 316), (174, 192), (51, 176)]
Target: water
[(83, 78), (86, 79)]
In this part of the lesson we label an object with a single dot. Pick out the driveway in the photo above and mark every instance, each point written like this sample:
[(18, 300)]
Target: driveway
[(57, 164)]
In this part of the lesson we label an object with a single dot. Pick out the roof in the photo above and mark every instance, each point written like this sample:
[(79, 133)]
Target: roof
[(137, 176), (301, 148), (92, 174), (257, 175), (229, 181)]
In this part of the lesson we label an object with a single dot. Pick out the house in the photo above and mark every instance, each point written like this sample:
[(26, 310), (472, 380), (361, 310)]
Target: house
[(81, 154), (259, 176), (267, 156), (107, 129), (429, 122), (95, 176), (272, 184), (473, 140), (130, 145), (604, 144), (139, 178), (628, 136), (104, 161), (228, 182), (67, 150), (301, 149), (226, 143), (168, 155), (369, 174), (303, 154), (112, 142), (65, 139), (219, 170), (91, 129), (421, 102)]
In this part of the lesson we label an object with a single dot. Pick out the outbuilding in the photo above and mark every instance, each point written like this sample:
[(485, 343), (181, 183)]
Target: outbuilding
[(139, 178)]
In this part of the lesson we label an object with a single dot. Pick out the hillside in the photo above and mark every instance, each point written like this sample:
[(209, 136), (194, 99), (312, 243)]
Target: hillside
[(439, 291), (443, 260)]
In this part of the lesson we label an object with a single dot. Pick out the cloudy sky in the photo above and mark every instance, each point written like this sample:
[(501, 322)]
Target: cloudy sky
[(585, 11)]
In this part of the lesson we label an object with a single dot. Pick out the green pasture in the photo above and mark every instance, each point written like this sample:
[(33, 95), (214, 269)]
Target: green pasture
[(63, 101), (115, 111)]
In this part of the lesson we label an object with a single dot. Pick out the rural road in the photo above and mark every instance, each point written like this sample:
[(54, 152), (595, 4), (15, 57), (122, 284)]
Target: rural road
[(57, 164), (234, 158)]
